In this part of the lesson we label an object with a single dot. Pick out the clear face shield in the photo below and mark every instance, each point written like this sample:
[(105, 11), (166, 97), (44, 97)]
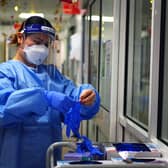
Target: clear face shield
[(51, 58), (44, 48)]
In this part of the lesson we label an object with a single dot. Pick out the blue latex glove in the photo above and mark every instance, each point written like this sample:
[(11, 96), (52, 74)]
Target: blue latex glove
[(59, 101), (86, 145), (73, 119)]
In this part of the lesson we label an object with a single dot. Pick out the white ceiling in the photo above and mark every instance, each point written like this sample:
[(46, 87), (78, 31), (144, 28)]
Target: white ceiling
[(49, 7)]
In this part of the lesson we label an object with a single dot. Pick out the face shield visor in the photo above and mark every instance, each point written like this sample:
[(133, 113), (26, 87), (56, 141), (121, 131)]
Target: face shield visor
[(43, 50)]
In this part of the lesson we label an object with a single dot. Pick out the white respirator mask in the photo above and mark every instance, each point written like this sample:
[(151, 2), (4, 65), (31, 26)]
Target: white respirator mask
[(36, 54)]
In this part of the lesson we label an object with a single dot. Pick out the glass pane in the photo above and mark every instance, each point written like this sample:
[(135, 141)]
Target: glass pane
[(106, 53), (164, 126), (94, 21), (139, 39), (94, 44), (85, 49)]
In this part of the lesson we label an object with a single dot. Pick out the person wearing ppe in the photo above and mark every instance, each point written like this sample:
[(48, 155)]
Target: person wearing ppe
[(34, 98)]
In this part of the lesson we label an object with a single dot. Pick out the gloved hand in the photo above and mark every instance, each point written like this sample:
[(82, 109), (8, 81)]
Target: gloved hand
[(59, 101)]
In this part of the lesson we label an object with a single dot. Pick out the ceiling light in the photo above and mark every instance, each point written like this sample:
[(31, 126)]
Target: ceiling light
[(27, 15), (104, 18), (107, 19), (16, 8)]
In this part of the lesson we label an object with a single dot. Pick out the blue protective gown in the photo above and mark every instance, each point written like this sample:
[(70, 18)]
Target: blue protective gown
[(27, 124)]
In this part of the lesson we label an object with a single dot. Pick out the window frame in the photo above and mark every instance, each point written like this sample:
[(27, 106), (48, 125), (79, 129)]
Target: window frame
[(161, 70)]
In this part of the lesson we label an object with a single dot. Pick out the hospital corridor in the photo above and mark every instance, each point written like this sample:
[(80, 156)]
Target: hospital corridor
[(83, 84)]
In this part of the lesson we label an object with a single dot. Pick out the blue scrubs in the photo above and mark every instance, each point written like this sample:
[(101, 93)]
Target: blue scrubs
[(27, 124)]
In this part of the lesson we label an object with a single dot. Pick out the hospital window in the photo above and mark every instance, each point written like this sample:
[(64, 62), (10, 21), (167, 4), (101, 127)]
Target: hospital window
[(85, 47), (138, 61), (106, 53), (94, 42), (163, 105), (93, 57), (100, 53)]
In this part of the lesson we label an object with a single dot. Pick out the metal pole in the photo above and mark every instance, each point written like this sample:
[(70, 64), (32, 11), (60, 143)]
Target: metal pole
[(50, 152)]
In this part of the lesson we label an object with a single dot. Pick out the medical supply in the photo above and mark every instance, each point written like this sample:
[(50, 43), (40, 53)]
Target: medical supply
[(86, 145), (72, 120), (131, 150), (36, 54), (136, 150), (77, 156)]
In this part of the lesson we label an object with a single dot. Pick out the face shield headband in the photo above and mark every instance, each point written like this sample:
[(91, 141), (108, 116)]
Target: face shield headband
[(37, 28)]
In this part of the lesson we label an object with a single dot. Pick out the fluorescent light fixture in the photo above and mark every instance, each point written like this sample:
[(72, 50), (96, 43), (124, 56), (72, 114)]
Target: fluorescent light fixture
[(95, 18), (107, 19), (104, 18), (27, 15)]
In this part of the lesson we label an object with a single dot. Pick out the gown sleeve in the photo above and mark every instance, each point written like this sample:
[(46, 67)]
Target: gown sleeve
[(87, 112), (16, 105)]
